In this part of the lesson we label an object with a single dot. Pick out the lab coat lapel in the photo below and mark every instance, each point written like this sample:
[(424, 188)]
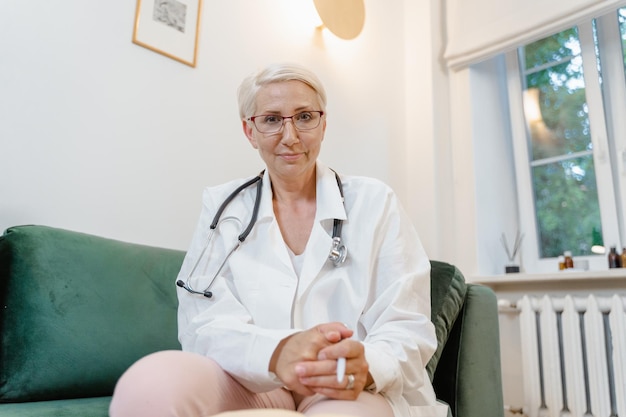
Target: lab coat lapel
[(318, 249), (274, 250), (329, 206)]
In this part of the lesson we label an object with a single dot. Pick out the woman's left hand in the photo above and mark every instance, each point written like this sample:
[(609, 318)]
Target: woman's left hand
[(321, 376)]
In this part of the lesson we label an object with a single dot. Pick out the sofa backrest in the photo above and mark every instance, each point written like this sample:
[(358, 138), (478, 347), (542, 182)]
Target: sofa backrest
[(77, 310), (447, 295)]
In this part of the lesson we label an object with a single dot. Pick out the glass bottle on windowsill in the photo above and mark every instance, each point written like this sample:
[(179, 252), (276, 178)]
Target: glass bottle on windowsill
[(569, 261), (614, 258)]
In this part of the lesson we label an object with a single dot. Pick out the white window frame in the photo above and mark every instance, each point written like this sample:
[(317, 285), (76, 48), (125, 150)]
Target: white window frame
[(601, 150), (615, 103)]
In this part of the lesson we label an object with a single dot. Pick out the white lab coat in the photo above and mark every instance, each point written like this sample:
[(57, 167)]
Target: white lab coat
[(382, 291)]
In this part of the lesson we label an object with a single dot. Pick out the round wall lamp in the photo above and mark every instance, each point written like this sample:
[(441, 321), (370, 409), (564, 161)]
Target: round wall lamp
[(344, 18)]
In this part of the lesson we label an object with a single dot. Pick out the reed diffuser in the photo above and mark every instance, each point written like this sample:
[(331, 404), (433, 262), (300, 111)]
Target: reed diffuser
[(512, 267)]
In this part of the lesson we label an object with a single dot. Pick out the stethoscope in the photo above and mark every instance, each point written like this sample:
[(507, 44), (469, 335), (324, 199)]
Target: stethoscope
[(337, 255)]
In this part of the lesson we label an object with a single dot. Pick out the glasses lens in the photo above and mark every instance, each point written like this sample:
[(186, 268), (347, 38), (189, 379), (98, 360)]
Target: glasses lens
[(269, 123), (307, 120)]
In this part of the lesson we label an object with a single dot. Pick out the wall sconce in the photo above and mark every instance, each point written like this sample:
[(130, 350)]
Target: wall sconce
[(344, 18)]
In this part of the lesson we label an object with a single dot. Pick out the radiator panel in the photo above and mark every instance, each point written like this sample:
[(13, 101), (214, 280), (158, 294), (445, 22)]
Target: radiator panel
[(573, 355)]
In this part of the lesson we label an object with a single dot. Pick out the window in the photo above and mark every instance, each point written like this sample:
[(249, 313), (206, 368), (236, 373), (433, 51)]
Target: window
[(569, 96)]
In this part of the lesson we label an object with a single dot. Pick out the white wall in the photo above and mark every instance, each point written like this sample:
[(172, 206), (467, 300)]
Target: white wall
[(496, 195), (103, 136)]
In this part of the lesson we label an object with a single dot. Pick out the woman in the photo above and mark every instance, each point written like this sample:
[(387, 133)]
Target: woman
[(281, 315)]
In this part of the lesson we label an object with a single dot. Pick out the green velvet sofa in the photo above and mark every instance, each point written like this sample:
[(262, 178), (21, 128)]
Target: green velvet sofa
[(76, 310)]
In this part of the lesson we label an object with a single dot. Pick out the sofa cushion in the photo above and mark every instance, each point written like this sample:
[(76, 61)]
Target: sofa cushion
[(447, 293), (77, 310), (81, 407)]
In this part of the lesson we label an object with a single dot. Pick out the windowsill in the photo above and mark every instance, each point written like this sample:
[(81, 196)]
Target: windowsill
[(565, 275), (556, 281)]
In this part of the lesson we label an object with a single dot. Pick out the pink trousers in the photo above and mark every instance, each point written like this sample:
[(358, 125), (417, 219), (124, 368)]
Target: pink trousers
[(183, 384)]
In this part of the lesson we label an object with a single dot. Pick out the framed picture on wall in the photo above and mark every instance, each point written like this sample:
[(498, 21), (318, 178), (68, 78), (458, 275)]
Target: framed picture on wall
[(169, 27)]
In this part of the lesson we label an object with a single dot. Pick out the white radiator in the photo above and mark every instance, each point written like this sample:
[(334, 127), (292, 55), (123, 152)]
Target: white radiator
[(574, 355)]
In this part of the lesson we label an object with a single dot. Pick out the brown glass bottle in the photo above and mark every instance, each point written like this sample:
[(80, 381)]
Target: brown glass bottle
[(569, 261), (622, 258)]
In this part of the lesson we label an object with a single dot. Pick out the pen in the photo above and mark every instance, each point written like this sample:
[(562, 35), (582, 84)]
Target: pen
[(341, 369)]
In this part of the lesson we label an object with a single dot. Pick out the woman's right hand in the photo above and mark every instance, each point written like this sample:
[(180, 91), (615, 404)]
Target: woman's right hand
[(301, 347)]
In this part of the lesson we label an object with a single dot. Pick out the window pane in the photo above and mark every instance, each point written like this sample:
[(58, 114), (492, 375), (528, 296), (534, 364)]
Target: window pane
[(554, 98), (550, 49), (568, 214), (561, 152)]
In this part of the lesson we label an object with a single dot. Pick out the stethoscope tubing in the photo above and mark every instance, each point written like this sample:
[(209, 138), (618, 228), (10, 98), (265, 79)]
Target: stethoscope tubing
[(255, 212), (337, 254), (206, 293)]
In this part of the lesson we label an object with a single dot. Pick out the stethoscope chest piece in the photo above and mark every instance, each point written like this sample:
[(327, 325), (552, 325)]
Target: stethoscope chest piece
[(338, 252)]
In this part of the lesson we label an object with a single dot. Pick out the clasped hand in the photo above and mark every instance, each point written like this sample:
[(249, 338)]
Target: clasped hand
[(306, 362)]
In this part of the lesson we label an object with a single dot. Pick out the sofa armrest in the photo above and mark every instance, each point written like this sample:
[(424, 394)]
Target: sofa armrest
[(468, 375)]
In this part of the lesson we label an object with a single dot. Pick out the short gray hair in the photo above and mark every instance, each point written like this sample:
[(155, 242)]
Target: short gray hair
[(274, 73)]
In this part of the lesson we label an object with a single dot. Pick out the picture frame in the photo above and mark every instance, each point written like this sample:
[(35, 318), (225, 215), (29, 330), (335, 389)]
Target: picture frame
[(169, 27)]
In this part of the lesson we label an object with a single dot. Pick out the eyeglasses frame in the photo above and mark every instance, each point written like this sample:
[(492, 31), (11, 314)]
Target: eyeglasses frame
[(251, 118)]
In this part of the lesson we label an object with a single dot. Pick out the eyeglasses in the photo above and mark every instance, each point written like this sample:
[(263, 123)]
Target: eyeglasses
[(273, 123)]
